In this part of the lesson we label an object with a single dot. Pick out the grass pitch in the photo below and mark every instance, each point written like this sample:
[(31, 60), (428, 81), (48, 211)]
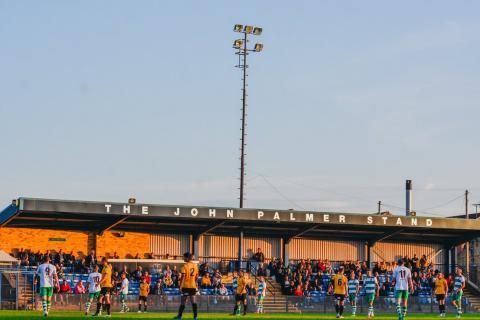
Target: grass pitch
[(213, 316)]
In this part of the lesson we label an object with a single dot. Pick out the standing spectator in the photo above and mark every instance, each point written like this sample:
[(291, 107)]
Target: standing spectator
[(91, 260), (117, 281), (259, 256)]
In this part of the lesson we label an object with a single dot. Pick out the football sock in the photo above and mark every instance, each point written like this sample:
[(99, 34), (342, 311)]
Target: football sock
[(337, 309), (341, 310), (44, 306), (107, 306), (354, 309), (99, 306), (195, 310), (404, 311), (144, 308), (49, 304), (87, 306), (370, 309), (180, 310), (139, 307), (399, 309), (244, 308)]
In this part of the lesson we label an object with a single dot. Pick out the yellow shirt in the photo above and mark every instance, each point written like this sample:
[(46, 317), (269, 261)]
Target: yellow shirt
[(242, 285), (339, 284), (106, 277), (206, 281), (441, 286), (144, 288), (189, 273)]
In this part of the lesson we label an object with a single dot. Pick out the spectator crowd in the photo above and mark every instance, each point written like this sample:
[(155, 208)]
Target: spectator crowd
[(302, 277)]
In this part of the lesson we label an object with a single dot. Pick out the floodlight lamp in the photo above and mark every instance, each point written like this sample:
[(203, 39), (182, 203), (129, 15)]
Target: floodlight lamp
[(238, 44), (257, 31), (258, 47), (238, 28), (248, 29)]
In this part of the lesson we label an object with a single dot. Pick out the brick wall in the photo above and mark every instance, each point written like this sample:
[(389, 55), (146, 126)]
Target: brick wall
[(126, 246), (36, 239)]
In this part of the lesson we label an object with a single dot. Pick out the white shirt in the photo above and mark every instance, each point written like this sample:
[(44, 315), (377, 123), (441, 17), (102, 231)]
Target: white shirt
[(124, 286), (46, 271), (94, 282), (402, 276)]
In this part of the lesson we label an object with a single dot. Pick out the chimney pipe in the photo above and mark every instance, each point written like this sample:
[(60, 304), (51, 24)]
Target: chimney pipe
[(408, 204)]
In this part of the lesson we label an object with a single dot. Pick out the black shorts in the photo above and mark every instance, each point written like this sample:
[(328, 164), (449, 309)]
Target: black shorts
[(339, 297), (440, 297), (188, 292), (240, 297), (142, 298), (106, 291)]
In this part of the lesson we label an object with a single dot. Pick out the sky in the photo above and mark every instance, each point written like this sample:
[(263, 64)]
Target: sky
[(105, 100)]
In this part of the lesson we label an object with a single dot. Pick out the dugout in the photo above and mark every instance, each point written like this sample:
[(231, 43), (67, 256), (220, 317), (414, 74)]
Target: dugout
[(214, 234)]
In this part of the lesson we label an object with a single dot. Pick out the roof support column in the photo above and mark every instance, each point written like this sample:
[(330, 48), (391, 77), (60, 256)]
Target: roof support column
[(369, 247), (367, 254), (196, 248), (467, 259), (446, 259), (240, 249), (193, 245), (453, 259), (286, 251)]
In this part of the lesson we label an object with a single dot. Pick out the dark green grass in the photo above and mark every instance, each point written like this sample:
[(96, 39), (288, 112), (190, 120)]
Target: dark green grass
[(213, 316)]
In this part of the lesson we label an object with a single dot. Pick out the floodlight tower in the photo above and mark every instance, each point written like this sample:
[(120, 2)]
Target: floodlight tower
[(242, 50)]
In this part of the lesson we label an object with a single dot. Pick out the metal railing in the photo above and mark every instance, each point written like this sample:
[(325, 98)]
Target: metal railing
[(224, 304), (17, 290)]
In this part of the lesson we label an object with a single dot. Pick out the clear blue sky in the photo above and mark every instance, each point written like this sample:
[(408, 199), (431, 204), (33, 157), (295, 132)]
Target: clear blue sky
[(102, 100)]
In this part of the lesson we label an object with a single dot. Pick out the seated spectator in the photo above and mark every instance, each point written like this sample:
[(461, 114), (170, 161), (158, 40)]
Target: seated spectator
[(158, 288), (217, 279), (298, 292), (65, 287), (80, 288), (115, 255), (206, 281), (223, 291), (168, 281), (147, 276), (137, 274)]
